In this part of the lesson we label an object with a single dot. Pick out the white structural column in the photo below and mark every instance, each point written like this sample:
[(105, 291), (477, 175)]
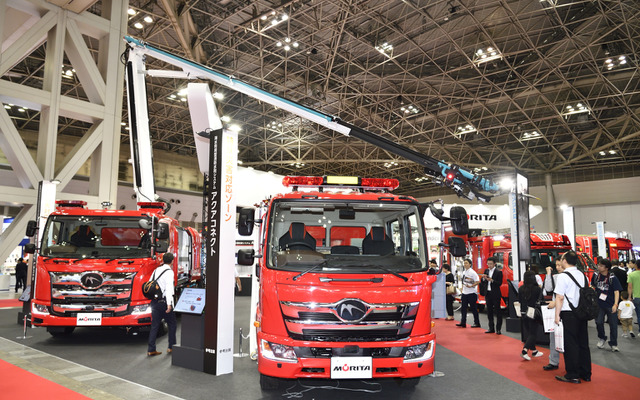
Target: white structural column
[(25, 26), (551, 204)]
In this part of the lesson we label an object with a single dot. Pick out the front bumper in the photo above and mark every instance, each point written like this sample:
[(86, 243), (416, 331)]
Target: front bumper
[(44, 318), (307, 366)]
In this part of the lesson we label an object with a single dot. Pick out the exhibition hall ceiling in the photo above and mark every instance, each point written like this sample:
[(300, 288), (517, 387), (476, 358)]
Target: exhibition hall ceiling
[(542, 86)]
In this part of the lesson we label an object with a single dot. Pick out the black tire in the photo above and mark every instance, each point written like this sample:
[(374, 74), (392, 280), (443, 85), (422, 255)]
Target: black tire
[(269, 382), (58, 331), (408, 383)]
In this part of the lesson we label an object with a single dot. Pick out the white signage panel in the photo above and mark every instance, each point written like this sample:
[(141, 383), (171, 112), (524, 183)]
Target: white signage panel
[(351, 367)]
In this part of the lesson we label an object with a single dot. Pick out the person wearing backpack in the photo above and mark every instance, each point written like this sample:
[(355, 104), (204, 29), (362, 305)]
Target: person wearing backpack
[(577, 356), (608, 289), (162, 308)]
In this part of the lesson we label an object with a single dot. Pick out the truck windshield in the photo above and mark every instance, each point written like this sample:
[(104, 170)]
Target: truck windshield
[(346, 237), (96, 237)]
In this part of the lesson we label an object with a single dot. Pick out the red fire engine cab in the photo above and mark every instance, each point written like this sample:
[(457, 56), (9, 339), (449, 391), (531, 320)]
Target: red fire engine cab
[(616, 248), (91, 264), (546, 248), (344, 285)]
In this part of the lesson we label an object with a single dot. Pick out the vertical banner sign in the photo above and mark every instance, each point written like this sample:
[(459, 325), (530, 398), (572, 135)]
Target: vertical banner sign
[(220, 226), (569, 223), (520, 232), (602, 244)]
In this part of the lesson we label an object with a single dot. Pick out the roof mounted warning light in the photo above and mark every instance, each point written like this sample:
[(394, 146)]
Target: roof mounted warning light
[(71, 203), (346, 182)]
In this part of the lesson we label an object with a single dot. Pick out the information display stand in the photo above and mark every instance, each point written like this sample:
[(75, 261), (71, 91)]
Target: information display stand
[(190, 352)]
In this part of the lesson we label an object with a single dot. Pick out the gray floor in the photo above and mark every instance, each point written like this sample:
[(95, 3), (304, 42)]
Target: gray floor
[(108, 364)]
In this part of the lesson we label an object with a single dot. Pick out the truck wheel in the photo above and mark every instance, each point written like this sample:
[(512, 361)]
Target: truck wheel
[(57, 331), (269, 382)]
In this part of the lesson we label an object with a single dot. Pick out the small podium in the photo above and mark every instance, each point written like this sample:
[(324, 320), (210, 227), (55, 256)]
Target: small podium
[(190, 352)]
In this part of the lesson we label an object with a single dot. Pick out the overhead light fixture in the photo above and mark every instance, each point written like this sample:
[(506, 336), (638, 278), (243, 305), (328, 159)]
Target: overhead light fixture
[(287, 43), (298, 164), (8, 107), (486, 55), (464, 130), (385, 48), (613, 62), (225, 118), (239, 162), (218, 95), (530, 135), (578, 108), (390, 164), (421, 179), (235, 128), (148, 19), (274, 19), (410, 109), (138, 25), (131, 12), (274, 125)]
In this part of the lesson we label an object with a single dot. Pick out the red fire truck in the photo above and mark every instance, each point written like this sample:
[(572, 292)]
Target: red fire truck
[(546, 248), (344, 284), (91, 264), (616, 248)]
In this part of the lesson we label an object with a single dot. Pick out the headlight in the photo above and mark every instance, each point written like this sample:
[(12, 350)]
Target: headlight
[(141, 309), (39, 309), (278, 352), (419, 352)]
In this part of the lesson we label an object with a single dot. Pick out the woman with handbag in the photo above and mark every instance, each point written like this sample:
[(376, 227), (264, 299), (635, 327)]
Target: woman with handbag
[(451, 290), (529, 296)]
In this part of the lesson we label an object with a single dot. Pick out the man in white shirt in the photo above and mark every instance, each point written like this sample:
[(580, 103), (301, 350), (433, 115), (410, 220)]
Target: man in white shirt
[(470, 281), (163, 308), (577, 356)]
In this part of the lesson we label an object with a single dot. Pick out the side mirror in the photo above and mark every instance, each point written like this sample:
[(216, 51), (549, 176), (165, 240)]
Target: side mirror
[(459, 220), (245, 223), (29, 248), (162, 247), (163, 231), (246, 257), (31, 228), (456, 246)]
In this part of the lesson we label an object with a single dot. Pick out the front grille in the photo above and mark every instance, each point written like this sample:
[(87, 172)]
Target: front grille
[(330, 323), (328, 335), (111, 297)]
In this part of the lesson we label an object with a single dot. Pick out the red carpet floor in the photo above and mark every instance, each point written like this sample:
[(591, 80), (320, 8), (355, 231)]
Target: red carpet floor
[(10, 303), (16, 383), (501, 354)]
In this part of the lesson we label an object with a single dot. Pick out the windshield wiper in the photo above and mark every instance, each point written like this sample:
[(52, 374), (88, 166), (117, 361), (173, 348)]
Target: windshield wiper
[(389, 271), (320, 264)]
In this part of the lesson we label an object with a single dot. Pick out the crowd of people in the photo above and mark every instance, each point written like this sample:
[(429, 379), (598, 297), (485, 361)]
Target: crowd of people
[(616, 285)]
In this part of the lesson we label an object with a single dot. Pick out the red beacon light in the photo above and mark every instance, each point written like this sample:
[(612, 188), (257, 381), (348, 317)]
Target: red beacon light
[(341, 182), (71, 203), (289, 181)]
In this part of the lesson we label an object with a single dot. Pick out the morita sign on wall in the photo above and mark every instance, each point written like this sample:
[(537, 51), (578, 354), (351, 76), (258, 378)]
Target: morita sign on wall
[(482, 216)]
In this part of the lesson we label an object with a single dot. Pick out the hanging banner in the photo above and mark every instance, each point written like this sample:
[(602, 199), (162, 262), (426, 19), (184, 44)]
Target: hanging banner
[(602, 244), (569, 223)]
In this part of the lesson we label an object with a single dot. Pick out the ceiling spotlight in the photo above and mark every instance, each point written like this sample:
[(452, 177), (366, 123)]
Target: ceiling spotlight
[(131, 12), (464, 129), (486, 55), (225, 118), (148, 19), (577, 109), (218, 95), (138, 25)]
